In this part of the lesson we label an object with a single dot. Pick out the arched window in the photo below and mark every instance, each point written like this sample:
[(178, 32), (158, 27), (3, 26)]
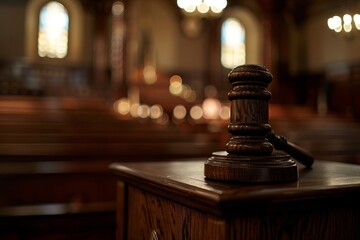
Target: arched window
[(53, 30), (233, 47)]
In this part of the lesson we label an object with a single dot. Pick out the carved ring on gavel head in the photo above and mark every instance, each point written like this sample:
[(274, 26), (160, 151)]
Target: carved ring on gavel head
[(249, 111), (249, 156)]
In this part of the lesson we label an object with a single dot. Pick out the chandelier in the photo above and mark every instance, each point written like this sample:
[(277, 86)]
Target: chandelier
[(202, 7), (347, 23)]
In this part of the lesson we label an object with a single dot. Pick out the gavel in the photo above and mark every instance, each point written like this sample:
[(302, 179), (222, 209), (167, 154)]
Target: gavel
[(248, 155), (295, 151)]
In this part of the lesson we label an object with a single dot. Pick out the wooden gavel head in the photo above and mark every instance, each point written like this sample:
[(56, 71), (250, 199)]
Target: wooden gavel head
[(249, 111), (249, 155)]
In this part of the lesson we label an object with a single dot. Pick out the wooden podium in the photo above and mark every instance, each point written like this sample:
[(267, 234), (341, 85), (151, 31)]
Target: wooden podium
[(245, 192), (173, 200)]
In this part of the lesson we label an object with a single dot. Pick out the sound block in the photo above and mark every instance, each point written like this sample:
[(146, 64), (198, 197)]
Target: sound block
[(276, 167)]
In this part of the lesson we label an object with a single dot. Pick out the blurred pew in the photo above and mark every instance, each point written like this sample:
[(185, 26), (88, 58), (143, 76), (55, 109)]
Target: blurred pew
[(55, 153), (54, 158), (327, 136)]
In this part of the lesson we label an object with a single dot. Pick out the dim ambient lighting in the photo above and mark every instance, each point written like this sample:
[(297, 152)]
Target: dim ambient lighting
[(150, 76), (345, 24), (117, 8), (156, 111), (135, 110), (143, 111), (202, 7), (122, 106), (196, 112), (177, 88), (179, 112), (224, 113), (117, 43), (163, 120), (211, 108)]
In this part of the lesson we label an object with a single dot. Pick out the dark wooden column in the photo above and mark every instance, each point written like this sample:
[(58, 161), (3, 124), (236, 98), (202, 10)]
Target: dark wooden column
[(273, 27), (100, 11)]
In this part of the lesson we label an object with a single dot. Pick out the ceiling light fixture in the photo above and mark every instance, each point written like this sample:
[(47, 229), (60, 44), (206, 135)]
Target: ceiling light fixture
[(202, 7)]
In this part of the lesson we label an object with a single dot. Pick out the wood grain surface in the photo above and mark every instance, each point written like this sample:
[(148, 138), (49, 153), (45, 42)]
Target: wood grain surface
[(325, 184), (175, 200), (147, 213)]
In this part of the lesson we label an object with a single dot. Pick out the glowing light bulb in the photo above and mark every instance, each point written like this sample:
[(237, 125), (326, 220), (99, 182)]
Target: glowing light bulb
[(331, 24), (357, 21), (203, 8), (347, 19)]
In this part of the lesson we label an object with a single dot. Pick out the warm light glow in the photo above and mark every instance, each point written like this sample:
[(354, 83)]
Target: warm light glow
[(117, 8), (179, 89), (190, 8), (156, 111), (183, 3), (176, 86), (211, 108), (357, 21), (134, 110), (175, 78), (122, 106), (134, 95), (232, 43), (216, 6), (191, 97), (179, 112), (163, 120), (196, 112), (347, 27), (225, 113), (337, 23), (345, 23), (53, 31), (347, 19), (143, 111), (117, 43), (150, 76), (331, 23), (202, 6), (188, 94)]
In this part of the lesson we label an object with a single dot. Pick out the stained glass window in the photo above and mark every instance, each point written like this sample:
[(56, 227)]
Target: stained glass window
[(53, 30), (233, 49)]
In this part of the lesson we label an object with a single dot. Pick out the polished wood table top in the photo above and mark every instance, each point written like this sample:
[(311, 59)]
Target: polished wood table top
[(325, 184)]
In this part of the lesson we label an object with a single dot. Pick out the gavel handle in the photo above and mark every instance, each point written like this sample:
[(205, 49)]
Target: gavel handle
[(300, 154)]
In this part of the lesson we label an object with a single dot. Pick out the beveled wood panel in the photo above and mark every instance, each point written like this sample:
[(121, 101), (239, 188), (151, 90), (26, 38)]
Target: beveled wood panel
[(329, 223), (147, 213), (175, 200)]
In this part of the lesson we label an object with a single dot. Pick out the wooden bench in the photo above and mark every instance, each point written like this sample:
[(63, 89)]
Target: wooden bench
[(54, 165), (331, 137)]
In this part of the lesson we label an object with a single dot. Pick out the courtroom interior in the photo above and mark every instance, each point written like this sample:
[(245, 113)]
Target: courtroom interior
[(85, 84)]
